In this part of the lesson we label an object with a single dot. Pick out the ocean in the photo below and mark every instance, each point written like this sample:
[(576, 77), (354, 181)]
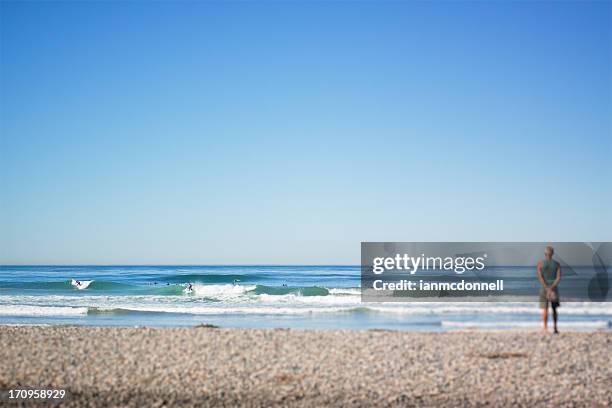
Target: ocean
[(304, 297)]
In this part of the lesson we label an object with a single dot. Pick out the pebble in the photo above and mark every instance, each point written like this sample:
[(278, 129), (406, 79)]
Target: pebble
[(136, 367)]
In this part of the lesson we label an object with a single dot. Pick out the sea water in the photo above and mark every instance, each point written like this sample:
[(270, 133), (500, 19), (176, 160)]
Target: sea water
[(306, 297)]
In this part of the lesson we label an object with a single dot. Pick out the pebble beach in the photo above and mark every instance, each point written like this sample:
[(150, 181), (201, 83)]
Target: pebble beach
[(204, 366)]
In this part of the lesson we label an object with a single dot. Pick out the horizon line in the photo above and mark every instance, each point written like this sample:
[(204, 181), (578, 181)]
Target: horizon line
[(163, 264)]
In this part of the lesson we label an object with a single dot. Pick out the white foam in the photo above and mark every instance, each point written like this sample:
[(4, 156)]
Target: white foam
[(487, 308), (220, 310), (297, 299), (345, 291), (239, 300), (573, 325), (222, 292), (28, 310)]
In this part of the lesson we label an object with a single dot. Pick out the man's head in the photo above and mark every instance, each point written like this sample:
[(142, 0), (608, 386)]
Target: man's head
[(548, 252)]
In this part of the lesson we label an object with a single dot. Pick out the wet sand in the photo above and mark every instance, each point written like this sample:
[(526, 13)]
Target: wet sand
[(228, 367)]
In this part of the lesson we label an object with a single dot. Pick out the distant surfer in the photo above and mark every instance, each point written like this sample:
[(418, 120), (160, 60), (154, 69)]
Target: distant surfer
[(190, 288), (79, 284), (549, 275), (235, 281)]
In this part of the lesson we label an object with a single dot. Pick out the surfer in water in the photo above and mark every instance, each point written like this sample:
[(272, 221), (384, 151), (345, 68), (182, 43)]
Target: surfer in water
[(78, 283), (190, 287), (236, 281), (549, 275)]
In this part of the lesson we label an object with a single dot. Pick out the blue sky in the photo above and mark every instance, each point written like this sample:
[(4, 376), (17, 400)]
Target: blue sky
[(289, 132)]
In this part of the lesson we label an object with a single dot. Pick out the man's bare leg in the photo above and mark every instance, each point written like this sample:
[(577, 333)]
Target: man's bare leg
[(554, 309), (545, 319)]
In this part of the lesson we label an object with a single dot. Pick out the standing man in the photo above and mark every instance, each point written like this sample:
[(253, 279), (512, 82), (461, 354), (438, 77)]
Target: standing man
[(549, 274)]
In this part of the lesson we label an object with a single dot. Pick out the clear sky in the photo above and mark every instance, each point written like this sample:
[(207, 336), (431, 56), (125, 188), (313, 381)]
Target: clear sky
[(289, 132)]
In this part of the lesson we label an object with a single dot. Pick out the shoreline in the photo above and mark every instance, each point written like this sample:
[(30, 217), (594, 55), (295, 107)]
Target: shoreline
[(447, 327), (104, 366)]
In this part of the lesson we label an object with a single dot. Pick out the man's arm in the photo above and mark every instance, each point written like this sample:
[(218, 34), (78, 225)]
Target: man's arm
[(540, 278), (558, 278)]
